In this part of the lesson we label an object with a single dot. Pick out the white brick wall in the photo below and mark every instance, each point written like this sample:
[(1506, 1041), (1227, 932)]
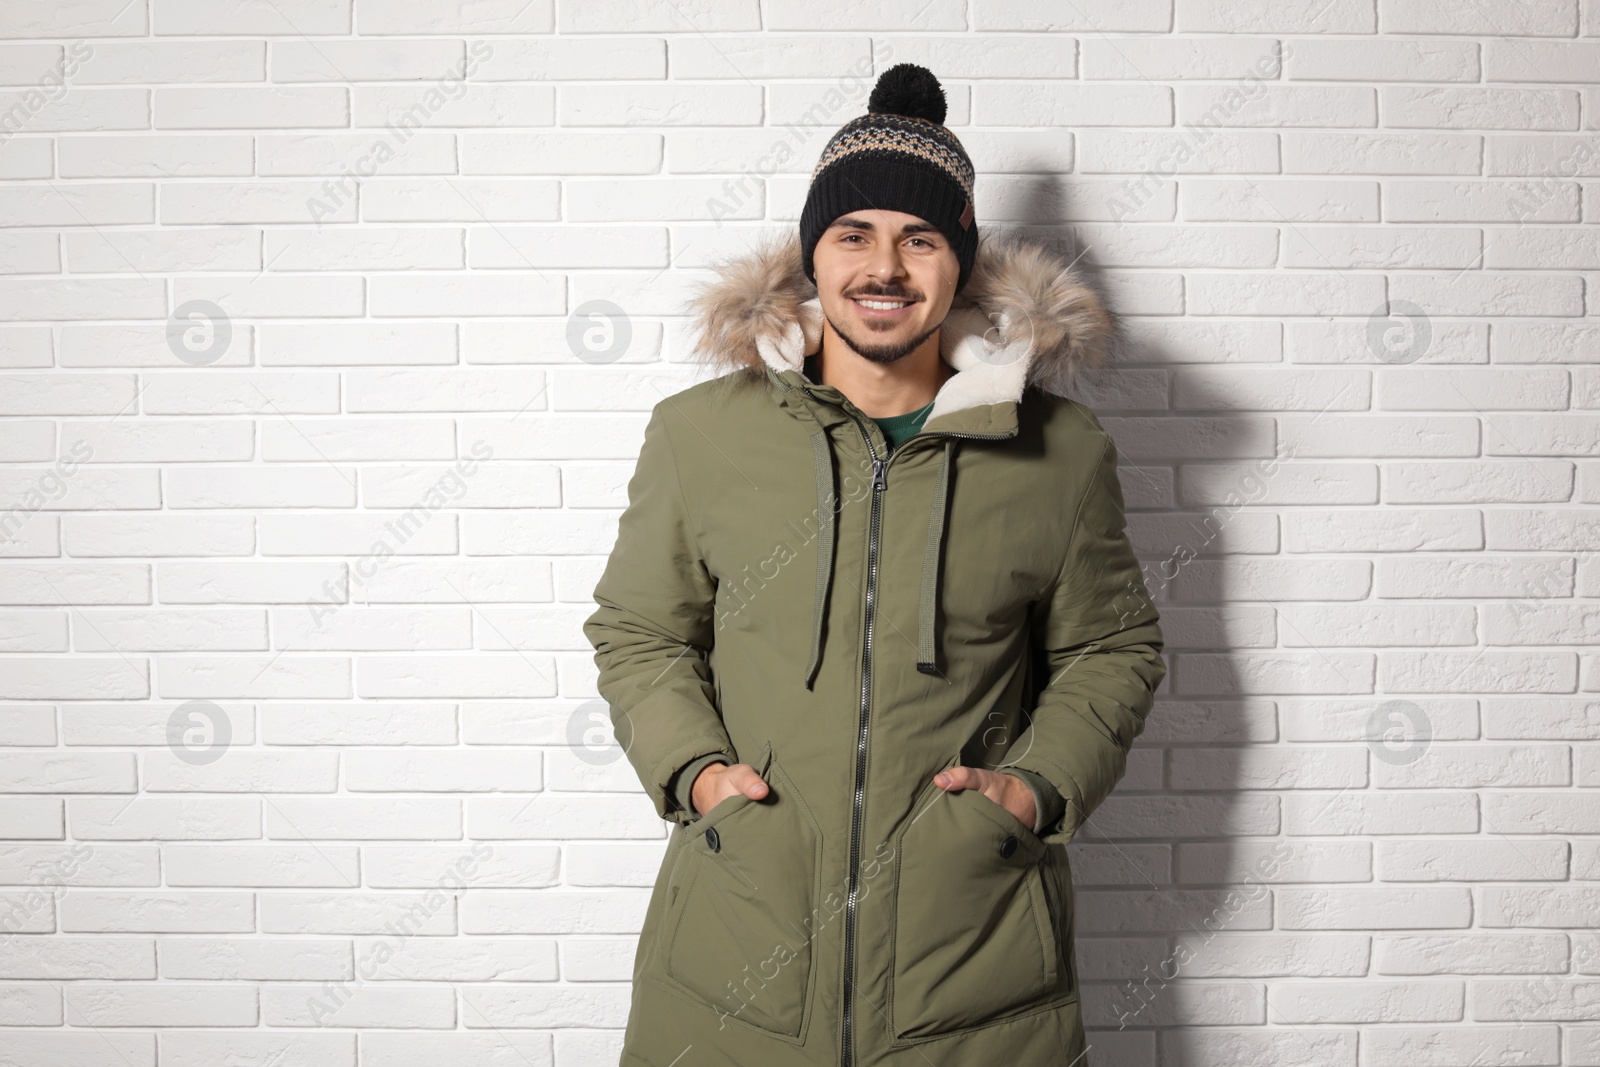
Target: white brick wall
[(258, 731)]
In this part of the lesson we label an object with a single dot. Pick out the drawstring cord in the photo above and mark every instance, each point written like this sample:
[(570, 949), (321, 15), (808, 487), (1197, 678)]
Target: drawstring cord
[(826, 492), (927, 656), (927, 598)]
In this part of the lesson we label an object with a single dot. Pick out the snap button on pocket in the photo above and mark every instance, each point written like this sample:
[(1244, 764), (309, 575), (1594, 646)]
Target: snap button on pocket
[(1008, 847), (713, 840)]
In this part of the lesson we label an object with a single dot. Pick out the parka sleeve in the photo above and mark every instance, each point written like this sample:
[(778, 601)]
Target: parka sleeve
[(653, 628), (1098, 636)]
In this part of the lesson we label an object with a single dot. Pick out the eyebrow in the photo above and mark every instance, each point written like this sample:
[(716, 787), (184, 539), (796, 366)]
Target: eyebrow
[(908, 228)]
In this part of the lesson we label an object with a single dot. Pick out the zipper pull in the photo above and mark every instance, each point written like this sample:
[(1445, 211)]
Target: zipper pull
[(880, 474)]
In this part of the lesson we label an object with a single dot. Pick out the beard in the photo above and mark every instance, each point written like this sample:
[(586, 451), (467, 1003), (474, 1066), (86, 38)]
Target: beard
[(883, 352)]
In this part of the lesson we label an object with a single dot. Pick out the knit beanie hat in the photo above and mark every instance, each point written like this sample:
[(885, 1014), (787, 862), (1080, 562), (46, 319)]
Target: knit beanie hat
[(897, 157)]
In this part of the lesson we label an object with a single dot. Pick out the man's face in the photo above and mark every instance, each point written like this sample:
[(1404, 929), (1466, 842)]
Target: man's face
[(885, 280)]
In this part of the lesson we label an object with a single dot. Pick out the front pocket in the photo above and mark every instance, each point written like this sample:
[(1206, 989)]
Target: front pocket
[(742, 904), (973, 937)]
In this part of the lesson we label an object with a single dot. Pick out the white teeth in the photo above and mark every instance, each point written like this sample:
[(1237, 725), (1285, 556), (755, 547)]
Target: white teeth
[(882, 305)]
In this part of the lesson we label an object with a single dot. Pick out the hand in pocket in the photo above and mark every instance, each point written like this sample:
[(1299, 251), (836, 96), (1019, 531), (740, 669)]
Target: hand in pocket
[(718, 781), (1006, 790)]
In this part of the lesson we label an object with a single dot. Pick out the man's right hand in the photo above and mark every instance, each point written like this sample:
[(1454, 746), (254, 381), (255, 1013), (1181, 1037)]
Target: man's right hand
[(717, 782)]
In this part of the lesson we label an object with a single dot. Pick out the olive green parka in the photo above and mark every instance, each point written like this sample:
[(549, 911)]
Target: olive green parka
[(784, 592)]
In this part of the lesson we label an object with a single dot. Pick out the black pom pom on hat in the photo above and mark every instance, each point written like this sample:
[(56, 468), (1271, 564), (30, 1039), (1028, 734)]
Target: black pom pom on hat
[(910, 90)]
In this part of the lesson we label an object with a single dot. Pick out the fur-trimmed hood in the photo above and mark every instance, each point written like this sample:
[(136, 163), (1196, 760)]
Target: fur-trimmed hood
[(1025, 317)]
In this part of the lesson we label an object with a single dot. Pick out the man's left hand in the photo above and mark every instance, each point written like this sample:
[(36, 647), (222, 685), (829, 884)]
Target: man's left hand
[(1007, 790)]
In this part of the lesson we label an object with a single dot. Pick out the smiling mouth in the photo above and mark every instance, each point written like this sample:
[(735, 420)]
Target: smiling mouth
[(882, 306)]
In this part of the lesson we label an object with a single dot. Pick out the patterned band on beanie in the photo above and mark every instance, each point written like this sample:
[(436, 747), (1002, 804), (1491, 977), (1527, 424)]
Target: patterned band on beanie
[(900, 133)]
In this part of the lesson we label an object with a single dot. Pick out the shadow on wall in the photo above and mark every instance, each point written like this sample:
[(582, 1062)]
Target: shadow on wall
[(1196, 879)]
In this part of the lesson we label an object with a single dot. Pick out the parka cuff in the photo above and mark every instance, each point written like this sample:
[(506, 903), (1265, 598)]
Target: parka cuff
[(661, 785), (681, 787), (1067, 808), (1048, 803)]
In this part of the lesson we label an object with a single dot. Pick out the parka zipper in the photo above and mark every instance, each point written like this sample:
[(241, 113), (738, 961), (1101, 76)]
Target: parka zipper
[(880, 482)]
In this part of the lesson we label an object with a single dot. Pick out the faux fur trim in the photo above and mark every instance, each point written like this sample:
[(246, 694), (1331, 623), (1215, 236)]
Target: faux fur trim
[(1026, 317)]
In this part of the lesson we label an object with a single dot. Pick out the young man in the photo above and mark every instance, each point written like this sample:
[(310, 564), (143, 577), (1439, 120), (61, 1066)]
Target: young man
[(872, 633)]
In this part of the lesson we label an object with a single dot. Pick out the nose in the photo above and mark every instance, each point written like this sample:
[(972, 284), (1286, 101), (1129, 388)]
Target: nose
[(886, 267)]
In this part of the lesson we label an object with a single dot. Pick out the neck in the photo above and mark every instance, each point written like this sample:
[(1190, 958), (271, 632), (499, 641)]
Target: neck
[(882, 390)]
